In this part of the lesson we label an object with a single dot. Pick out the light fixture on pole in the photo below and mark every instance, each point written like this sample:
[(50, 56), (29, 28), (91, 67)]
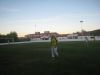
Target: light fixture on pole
[(81, 28)]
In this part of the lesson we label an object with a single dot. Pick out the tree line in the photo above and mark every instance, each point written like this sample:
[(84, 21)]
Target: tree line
[(11, 37), (95, 32)]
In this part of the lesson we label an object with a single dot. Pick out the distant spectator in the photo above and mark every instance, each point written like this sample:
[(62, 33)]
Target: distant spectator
[(86, 41)]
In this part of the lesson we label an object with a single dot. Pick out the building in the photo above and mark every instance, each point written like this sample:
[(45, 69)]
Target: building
[(72, 36), (43, 36), (61, 37)]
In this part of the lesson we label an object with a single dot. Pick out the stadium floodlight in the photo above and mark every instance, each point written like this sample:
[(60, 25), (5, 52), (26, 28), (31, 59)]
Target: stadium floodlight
[(81, 28)]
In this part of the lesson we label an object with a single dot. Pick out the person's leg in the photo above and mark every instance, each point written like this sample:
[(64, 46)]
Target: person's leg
[(52, 52), (55, 51)]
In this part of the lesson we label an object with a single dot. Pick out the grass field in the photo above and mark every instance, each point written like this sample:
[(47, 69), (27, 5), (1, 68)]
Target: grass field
[(35, 59)]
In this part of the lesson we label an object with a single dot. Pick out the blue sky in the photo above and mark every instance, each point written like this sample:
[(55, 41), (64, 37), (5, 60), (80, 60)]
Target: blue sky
[(62, 16)]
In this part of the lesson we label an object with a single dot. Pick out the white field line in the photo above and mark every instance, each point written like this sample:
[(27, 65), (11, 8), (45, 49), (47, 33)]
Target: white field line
[(24, 42)]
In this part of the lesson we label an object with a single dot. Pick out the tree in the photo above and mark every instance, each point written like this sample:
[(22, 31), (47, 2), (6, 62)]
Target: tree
[(3, 38), (13, 35), (95, 32)]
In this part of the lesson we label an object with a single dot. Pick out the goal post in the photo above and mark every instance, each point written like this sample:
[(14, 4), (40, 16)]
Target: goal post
[(6, 40)]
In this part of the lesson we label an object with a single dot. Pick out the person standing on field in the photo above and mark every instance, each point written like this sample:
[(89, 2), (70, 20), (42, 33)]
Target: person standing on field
[(86, 41), (54, 43)]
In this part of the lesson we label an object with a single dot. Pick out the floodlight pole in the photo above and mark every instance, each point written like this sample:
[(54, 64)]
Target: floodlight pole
[(81, 29)]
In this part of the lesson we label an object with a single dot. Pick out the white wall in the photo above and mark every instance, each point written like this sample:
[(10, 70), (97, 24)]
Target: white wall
[(80, 38)]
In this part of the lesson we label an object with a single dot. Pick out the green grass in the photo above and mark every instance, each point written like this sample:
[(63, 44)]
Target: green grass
[(35, 59)]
